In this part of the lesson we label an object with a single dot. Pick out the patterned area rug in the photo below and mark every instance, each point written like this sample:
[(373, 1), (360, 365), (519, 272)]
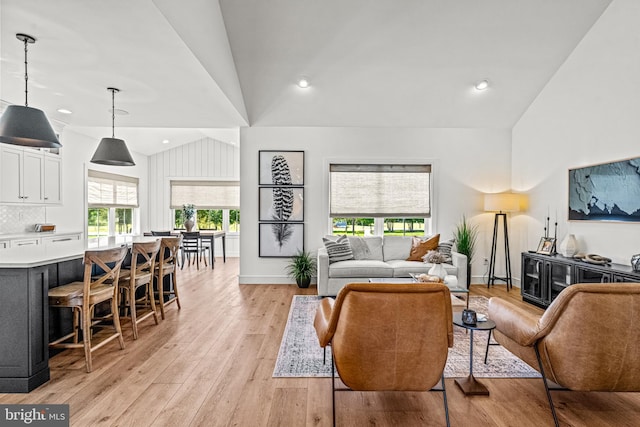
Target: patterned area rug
[(300, 354)]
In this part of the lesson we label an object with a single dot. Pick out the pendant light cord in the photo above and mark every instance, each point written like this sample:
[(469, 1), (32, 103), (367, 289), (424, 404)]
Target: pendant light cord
[(113, 113), (26, 75)]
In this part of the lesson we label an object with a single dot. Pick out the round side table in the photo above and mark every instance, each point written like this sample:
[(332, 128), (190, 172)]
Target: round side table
[(469, 385)]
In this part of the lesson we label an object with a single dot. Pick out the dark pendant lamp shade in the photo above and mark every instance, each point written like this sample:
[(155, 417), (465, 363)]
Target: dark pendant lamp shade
[(112, 151), (27, 126)]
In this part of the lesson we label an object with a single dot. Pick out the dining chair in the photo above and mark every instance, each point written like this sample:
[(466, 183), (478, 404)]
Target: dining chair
[(166, 266), (192, 245), (143, 258), (82, 298)]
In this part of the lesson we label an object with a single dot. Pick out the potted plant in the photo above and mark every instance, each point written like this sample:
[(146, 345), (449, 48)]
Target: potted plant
[(465, 236), (188, 211), (301, 267)]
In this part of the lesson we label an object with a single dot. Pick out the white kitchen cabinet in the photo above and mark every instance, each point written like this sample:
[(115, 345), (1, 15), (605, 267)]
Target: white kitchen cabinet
[(32, 241), (29, 176), (52, 179), (5, 244), (60, 238)]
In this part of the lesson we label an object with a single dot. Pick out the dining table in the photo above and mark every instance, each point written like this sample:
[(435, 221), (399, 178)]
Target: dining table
[(208, 237)]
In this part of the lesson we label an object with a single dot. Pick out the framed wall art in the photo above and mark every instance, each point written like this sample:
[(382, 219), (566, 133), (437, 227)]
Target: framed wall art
[(281, 204), (605, 192), (281, 167), (280, 239)]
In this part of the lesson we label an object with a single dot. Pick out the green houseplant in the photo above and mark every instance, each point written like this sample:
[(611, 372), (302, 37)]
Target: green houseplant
[(465, 236), (301, 267)]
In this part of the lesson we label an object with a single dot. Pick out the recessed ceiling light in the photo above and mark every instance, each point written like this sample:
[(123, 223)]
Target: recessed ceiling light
[(303, 82), (482, 84), (64, 111), (165, 141)]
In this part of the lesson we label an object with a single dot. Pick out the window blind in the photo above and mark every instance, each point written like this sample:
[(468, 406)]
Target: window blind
[(389, 191), (112, 191), (205, 194)]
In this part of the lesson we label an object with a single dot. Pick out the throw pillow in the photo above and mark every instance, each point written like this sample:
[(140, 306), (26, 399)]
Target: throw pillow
[(338, 250), (445, 249), (359, 247), (419, 247)]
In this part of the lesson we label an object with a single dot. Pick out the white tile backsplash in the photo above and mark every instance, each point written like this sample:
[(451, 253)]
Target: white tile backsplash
[(18, 219)]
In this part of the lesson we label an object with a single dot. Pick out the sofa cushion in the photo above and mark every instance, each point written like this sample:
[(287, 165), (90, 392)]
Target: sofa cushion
[(403, 268), (396, 247), (360, 268), (445, 249), (419, 247), (338, 249), (369, 247)]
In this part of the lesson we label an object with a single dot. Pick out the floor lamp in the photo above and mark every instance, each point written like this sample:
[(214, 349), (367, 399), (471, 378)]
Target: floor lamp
[(500, 204)]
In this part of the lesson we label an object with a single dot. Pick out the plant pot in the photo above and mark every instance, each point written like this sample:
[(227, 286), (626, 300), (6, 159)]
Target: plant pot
[(188, 224), (303, 282)]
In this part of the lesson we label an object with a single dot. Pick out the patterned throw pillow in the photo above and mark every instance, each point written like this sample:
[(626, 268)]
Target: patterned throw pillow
[(338, 250), (419, 247), (445, 249)]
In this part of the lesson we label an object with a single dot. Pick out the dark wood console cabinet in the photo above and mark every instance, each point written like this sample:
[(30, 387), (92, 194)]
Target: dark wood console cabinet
[(545, 276)]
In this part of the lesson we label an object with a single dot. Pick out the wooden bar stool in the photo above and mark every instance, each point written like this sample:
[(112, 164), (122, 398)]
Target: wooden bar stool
[(143, 259), (82, 298), (167, 266)]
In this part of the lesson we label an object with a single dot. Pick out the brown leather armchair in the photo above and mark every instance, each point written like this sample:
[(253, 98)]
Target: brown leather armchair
[(388, 336), (588, 339)]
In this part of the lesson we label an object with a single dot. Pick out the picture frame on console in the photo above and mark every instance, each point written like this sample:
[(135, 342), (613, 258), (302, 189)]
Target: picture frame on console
[(546, 245)]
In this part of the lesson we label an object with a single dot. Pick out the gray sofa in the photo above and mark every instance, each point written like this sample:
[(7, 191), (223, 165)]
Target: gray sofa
[(382, 257)]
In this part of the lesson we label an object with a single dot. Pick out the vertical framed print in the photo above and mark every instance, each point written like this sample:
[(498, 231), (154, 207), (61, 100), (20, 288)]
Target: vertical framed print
[(281, 167), (281, 204), (280, 239)]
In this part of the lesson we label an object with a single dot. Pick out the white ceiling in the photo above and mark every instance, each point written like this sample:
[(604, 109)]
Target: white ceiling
[(188, 68)]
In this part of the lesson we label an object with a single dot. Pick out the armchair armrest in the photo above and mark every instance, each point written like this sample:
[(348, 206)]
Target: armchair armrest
[(515, 322), (322, 271), (322, 321), (459, 261)]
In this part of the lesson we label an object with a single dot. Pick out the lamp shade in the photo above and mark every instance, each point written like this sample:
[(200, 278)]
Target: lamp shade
[(28, 127), (502, 202), (112, 152)]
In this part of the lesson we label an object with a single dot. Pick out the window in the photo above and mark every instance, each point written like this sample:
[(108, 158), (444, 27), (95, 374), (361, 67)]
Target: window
[(113, 203), (380, 199), (216, 203)]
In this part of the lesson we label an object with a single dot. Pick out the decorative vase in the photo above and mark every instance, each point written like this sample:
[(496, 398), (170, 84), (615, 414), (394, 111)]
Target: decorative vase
[(569, 246), (188, 224), (635, 262), (437, 270)]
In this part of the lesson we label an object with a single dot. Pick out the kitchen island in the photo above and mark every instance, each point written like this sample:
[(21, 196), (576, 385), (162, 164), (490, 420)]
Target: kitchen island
[(26, 326)]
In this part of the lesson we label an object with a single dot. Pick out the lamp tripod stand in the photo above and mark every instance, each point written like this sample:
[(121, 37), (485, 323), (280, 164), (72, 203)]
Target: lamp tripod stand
[(494, 246)]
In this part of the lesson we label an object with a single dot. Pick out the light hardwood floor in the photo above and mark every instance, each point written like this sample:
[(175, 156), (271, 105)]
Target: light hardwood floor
[(210, 364)]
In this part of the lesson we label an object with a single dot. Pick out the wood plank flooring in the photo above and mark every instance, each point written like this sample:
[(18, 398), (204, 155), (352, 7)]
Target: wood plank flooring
[(210, 364)]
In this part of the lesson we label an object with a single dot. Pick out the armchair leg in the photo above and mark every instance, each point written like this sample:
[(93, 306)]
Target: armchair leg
[(546, 386), (333, 390), (446, 406)]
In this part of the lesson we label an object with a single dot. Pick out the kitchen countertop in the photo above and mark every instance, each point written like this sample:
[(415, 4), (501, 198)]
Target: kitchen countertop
[(31, 234), (38, 255)]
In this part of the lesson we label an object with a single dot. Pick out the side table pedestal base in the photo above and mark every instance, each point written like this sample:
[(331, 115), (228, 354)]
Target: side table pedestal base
[(471, 386)]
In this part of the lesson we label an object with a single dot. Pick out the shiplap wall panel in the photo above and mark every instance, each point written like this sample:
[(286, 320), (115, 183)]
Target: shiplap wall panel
[(202, 159)]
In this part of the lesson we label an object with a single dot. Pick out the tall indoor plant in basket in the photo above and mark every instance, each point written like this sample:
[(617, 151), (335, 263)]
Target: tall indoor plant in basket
[(465, 236), (301, 267)]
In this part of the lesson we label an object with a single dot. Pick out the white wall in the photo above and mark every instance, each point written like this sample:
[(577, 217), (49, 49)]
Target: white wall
[(202, 159), (77, 150), (467, 162), (588, 113)]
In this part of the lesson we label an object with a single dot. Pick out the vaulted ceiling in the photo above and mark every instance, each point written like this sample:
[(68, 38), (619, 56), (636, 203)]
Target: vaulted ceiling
[(188, 69)]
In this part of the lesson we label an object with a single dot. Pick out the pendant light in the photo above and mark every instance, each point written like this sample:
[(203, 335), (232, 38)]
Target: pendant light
[(27, 126), (112, 151)]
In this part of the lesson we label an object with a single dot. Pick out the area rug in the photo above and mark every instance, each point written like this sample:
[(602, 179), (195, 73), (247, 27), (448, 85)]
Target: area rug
[(300, 355)]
